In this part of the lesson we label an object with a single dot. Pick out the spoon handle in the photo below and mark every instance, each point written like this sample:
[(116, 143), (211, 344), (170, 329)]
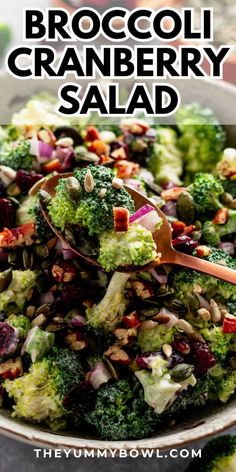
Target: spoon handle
[(210, 268)]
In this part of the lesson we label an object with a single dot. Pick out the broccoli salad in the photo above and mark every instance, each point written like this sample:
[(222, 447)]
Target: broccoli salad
[(110, 354)]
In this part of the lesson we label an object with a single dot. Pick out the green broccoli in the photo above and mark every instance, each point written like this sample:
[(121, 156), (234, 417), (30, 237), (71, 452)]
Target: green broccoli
[(17, 155), (222, 383), (161, 389), (43, 230), (19, 289), (153, 339), (202, 138), (206, 190), (21, 323), (166, 160), (120, 412), (62, 207), (186, 281), (221, 344), (193, 397), (132, 247), (219, 455), (108, 313), (212, 232), (95, 212), (38, 343), (39, 394)]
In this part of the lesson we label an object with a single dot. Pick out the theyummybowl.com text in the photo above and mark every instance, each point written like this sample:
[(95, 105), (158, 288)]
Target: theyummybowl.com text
[(112, 453)]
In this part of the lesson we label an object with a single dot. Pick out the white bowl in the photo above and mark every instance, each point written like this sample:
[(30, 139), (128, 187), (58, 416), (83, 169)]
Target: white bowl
[(221, 97)]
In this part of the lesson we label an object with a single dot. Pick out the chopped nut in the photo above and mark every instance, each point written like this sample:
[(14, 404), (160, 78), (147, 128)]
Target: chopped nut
[(7, 175), (88, 181), (125, 335), (65, 142), (40, 320), (149, 324), (11, 369), (58, 319), (64, 272), (47, 136), (102, 192), (167, 349), (197, 288), (224, 312), (185, 326), (30, 311), (142, 289), (78, 345), (204, 314), (215, 311), (117, 355), (203, 251), (117, 183), (13, 190), (162, 318)]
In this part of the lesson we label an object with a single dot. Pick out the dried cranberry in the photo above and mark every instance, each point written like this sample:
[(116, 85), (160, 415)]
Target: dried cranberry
[(26, 179), (7, 213), (70, 294), (201, 356), (8, 339), (184, 244), (80, 398), (181, 346)]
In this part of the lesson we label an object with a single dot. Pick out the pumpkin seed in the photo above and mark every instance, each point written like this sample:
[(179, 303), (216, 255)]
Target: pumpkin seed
[(5, 279), (68, 131), (111, 368), (46, 308), (44, 196), (28, 259), (53, 327), (13, 257), (41, 250), (185, 207), (181, 372), (82, 154)]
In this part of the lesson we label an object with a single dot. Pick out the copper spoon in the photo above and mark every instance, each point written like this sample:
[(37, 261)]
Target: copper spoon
[(162, 238)]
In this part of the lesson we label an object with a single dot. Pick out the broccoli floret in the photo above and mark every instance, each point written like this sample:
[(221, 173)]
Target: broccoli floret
[(227, 166), (222, 383), (202, 138), (221, 344), (16, 155), (193, 397), (96, 213), (185, 281), (109, 312), (166, 160), (62, 208), (132, 247), (19, 289), (21, 323), (153, 339), (219, 455), (43, 230), (212, 233), (120, 412), (39, 394), (206, 191), (38, 343)]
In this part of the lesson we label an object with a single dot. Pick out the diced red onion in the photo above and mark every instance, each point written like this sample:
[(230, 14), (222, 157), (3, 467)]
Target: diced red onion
[(169, 209), (134, 183), (78, 321), (99, 375), (160, 277), (227, 247), (67, 252), (203, 302), (141, 212), (47, 297), (45, 150), (34, 147), (147, 217), (145, 360)]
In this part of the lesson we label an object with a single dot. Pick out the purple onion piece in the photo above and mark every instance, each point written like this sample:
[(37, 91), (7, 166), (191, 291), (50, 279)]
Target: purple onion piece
[(8, 339), (47, 297), (203, 302), (99, 375), (145, 360), (227, 247), (160, 277), (78, 321), (170, 209)]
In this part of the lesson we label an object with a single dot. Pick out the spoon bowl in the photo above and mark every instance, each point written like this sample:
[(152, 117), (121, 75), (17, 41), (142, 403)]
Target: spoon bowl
[(162, 238)]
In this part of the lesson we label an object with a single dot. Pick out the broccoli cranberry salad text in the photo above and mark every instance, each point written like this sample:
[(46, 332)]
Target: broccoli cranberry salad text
[(111, 354)]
